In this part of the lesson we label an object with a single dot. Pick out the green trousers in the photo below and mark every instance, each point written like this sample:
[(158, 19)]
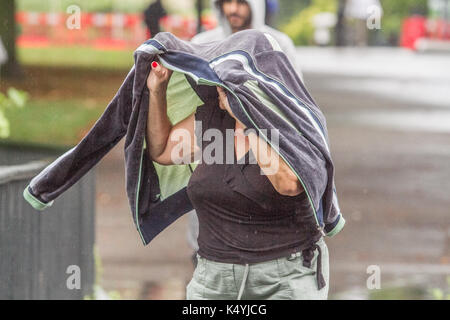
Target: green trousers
[(284, 278)]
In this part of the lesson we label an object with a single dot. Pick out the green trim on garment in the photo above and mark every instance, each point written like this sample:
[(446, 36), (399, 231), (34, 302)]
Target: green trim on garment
[(144, 146), (337, 228), (35, 203), (252, 85)]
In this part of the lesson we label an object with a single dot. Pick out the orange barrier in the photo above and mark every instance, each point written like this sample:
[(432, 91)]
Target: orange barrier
[(100, 30), (416, 28), (413, 29)]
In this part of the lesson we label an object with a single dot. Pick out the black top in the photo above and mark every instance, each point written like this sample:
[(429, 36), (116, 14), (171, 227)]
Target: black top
[(242, 218)]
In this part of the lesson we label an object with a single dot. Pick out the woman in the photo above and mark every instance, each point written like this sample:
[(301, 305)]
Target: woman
[(257, 236)]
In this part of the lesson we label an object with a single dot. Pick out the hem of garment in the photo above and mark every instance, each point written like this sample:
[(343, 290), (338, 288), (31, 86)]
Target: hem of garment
[(285, 253), (35, 202), (337, 228)]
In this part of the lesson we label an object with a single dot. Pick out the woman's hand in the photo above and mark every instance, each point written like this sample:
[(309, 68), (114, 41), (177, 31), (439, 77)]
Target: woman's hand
[(158, 79)]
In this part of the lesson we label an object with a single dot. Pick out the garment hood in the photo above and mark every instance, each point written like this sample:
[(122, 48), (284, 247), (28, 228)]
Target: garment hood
[(258, 8)]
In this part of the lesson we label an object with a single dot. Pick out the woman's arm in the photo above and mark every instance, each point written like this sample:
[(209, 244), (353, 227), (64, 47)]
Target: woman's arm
[(167, 144), (277, 171)]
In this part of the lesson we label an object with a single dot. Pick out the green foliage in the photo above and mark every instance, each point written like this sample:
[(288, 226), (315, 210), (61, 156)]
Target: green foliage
[(106, 6), (97, 290), (51, 122), (77, 57), (300, 28), (412, 292), (394, 12), (128, 6), (13, 99), (288, 9), (439, 294), (100, 293)]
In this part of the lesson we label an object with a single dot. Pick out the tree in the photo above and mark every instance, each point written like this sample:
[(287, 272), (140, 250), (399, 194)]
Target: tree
[(199, 7), (340, 25), (288, 9), (8, 35), (394, 13), (300, 27)]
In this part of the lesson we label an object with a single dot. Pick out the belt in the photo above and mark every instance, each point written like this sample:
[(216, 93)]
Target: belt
[(308, 255)]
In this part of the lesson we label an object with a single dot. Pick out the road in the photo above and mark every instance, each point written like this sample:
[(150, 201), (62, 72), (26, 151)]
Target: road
[(393, 178), (392, 160)]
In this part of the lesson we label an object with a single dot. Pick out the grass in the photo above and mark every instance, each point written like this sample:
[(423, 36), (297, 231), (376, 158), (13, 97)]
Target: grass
[(76, 57), (56, 123), (129, 6), (400, 293), (69, 88), (85, 5)]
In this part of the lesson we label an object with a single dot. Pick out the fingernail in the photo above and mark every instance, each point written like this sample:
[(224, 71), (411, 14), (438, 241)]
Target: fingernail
[(155, 64)]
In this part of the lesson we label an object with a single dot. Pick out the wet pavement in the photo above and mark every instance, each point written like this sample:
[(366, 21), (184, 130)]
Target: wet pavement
[(392, 159)]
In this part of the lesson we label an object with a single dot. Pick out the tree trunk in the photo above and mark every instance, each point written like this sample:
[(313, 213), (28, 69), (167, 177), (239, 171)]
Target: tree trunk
[(8, 34), (199, 6), (340, 25)]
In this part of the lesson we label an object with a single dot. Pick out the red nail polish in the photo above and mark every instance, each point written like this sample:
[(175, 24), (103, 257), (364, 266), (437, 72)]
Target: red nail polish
[(154, 64)]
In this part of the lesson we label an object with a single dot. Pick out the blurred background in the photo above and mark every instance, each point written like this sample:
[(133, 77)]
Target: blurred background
[(380, 71)]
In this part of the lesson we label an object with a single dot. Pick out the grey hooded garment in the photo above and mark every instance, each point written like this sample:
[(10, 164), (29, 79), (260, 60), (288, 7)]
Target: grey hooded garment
[(264, 92), (258, 10)]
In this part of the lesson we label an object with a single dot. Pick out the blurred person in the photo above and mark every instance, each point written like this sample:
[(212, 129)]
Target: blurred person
[(237, 15), (272, 8), (234, 16), (274, 248), (152, 15)]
